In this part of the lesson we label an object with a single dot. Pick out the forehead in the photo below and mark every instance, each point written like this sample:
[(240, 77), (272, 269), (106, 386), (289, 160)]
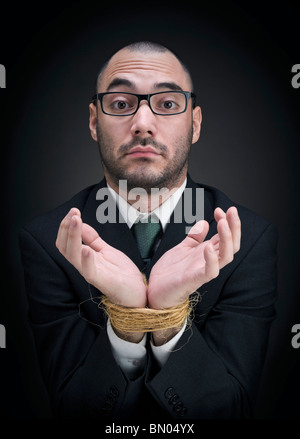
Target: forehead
[(144, 69)]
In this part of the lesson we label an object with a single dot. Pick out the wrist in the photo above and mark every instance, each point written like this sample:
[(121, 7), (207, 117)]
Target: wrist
[(162, 337), (132, 337), (158, 301), (131, 323)]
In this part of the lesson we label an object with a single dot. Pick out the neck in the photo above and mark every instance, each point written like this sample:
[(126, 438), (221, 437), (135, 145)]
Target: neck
[(142, 199)]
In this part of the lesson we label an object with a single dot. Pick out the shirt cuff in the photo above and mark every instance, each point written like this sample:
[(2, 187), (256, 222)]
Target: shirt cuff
[(131, 357), (162, 353)]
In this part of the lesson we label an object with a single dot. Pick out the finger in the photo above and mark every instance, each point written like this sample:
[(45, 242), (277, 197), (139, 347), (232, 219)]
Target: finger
[(87, 263), (197, 233), (74, 211), (92, 238), (214, 240), (211, 262), (225, 243), (62, 235), (234, 222), (74, 242), (219, 214)]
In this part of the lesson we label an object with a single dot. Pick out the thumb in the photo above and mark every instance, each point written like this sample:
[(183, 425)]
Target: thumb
[(198, 232), (91, 238), (88, 270)]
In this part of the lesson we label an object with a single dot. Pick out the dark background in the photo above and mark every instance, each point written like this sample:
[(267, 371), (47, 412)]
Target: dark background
[(240, 58)]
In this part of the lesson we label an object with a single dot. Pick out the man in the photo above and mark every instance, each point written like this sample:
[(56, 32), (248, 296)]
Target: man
[(144, 119)]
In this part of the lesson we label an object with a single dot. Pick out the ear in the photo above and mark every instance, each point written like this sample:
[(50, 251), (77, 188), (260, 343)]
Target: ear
[(197, 119), (93, 121)]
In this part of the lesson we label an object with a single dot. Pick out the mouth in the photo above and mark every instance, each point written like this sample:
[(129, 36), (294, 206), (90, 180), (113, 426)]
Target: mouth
[(142, 152)]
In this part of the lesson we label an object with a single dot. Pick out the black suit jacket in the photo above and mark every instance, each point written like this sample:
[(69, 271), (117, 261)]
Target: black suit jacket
[(215, 369)]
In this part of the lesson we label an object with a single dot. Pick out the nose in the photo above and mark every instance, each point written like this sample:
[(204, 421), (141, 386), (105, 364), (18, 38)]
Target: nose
[(144, 121)]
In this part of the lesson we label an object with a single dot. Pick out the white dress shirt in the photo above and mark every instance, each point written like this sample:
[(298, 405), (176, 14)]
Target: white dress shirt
[(131, 357)]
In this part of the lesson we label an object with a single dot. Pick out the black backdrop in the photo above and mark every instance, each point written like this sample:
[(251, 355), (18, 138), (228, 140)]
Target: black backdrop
[(240, 58)]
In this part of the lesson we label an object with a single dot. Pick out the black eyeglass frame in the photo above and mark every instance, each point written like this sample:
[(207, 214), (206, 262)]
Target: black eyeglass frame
[(146, 97)]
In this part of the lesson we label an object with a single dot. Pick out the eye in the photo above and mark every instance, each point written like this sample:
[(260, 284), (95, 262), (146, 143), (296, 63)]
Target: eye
[(169, 105), (167, 102), (120, 105)]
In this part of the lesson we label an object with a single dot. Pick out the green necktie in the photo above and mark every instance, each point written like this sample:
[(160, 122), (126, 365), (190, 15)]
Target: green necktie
[(145, 234)]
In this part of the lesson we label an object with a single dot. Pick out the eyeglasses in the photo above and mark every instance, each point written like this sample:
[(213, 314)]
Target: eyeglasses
[(164, 103)]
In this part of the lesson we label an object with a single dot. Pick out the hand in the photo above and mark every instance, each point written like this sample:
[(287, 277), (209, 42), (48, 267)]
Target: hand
[(103, 266), (194, 262)]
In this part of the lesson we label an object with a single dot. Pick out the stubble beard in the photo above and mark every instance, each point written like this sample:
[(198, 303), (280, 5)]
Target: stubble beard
[(143, 176)]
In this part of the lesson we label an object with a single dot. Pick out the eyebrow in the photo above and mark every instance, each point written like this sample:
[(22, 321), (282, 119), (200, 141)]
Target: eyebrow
[(120, 81), (170, 85), (158, 85)]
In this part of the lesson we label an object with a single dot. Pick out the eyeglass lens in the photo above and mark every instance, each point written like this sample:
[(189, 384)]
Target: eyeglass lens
[(161, 103)]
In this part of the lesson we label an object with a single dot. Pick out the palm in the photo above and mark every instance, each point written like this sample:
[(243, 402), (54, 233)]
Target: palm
[(177, 274), (112, 272), (181, 271), (118, 277)]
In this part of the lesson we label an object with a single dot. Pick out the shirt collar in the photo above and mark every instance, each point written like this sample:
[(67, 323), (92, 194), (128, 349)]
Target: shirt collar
[(162, 213)]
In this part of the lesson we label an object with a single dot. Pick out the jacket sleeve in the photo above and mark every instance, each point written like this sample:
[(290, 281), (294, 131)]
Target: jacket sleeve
[(76, 361), (214, 371)]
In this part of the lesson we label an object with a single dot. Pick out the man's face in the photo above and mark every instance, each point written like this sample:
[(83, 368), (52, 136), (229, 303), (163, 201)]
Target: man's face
[(146, 149)]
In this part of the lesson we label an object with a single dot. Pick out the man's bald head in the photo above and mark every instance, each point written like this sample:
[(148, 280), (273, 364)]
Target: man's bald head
[(144, 47)]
